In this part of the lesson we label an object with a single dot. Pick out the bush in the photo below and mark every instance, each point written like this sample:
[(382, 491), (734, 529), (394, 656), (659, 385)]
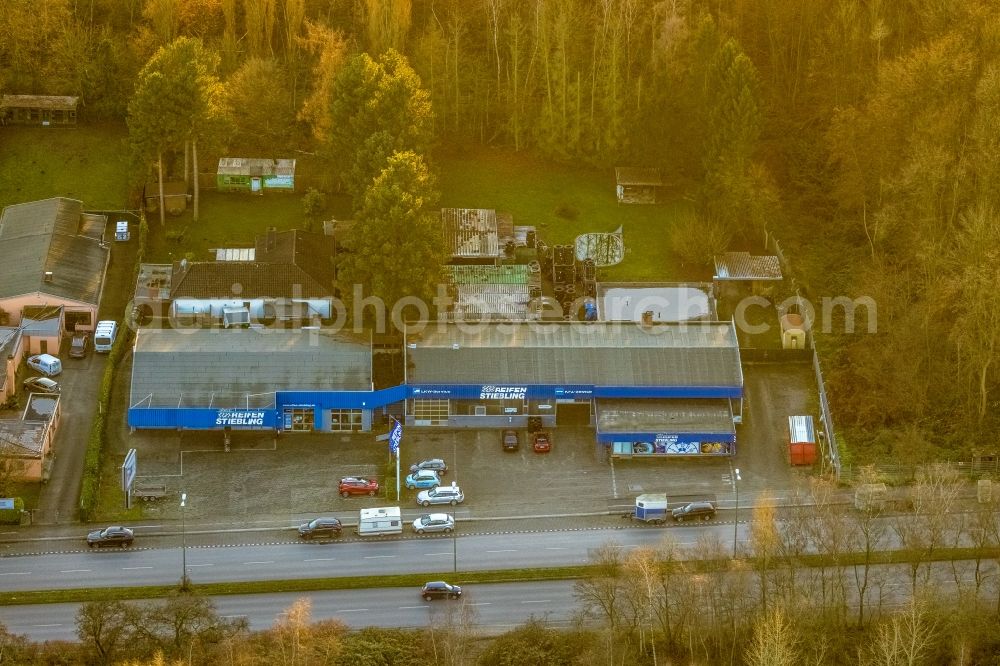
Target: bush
[(698, 241), (567, 211), (12, 516), (313, 205)]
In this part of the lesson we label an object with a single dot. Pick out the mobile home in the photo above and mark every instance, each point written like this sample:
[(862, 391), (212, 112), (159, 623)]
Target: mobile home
[(383, 520)]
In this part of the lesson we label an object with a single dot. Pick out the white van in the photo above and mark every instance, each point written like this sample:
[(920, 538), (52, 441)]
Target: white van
[(104, 336), (385, 520), (47, 364)]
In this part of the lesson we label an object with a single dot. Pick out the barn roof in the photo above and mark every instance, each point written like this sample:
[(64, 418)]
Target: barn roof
[(53, 102), (638, 176)]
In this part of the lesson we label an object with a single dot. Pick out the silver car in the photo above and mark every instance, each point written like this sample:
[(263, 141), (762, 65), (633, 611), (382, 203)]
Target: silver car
[(434, 522), (441, 495)]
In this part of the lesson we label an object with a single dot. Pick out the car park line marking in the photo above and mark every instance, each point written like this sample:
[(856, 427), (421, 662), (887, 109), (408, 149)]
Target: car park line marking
[(16, 573), (411, 607), (130, 568), (537, 601), (320, 559), (267, 562), (76, 571)]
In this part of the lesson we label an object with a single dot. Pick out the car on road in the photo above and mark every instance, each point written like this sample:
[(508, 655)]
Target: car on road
[(356, 485), (436, 464), (694, 511), (41, 385), (441, 495), (79, 345), (510, 440), (423, 478), (541, 442), (47, 364), (115, 535), (318, 528), (434, 522), (439, 589)]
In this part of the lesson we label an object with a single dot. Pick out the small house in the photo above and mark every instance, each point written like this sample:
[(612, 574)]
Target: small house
[(175, 196), (242, 174), (42, 110), (638, 185)]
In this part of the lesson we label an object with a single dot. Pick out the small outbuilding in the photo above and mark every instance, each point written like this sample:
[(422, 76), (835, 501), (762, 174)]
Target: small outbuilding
[(255, 175), (175, 196), (801, 440), (42, 110), (638, 185), (793, 331)]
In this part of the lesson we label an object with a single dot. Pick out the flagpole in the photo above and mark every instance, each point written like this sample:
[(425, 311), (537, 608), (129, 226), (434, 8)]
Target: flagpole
[(395, 437)]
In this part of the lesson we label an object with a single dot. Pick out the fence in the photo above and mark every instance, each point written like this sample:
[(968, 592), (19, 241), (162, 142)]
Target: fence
[(984, 466)]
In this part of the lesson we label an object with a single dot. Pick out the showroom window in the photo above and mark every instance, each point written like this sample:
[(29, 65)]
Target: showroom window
[(345, 420)]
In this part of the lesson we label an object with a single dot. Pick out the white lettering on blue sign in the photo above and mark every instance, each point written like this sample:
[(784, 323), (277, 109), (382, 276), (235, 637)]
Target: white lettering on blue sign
[(232, 417), (490, 392)]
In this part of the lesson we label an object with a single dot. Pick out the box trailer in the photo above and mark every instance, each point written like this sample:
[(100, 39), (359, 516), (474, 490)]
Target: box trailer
[(801, 440), (383, 520), (651, 508)]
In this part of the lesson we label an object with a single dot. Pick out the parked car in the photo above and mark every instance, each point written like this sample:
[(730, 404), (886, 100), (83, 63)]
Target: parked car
[(434, 522), (510, 440), (47, 364), (356, 485), (79, 345), (41, 385), (320, 527), (111, 536), (423, 478), (441, 495), (440, 590), (435, 464), (541, 442), (693, 510)]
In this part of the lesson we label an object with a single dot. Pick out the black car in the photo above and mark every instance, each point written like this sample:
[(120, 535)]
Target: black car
[(694, 510), (510, 440), (435, 464), (319, 528), (440, 590), (111, 536)]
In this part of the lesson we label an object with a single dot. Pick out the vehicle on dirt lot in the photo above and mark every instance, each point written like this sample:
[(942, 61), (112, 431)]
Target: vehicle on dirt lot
[(423, 478), (320, 527), (510, 440), (356, 485), (440, 590), (111, 536), (41, 385), (541, 442), (78, 345), (441, 495), (434, 522), (436, 464), (694, 510)]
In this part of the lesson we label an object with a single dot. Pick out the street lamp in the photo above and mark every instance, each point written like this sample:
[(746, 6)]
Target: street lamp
[(185, 583), (736, 510)]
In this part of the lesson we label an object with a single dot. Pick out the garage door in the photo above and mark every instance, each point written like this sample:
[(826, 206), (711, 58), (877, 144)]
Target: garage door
[(573, 413)]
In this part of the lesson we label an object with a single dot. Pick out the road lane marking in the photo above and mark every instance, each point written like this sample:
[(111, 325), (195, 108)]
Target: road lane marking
[(237, 615), (267, 562), (131, 568), (409, 607), (376, 557), (321, 559), (46, 625), (200, 565), (481, 603), (353, 610), (554, 548), (537, 601), (16, 573), (446, 553), (76, 571), (508, 550)]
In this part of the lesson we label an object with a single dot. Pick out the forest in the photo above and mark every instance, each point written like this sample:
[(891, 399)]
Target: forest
[(862, 134)]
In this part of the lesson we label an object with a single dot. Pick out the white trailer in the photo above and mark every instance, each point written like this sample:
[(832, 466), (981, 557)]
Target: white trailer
[(383, 520)]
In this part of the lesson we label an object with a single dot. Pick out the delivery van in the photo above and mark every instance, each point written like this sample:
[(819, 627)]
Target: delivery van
[(384, 520), (47, 364), (104, 336)]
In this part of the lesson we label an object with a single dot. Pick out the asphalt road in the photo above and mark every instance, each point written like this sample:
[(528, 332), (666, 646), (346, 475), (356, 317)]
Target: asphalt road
[(110, 567), (494, 609)]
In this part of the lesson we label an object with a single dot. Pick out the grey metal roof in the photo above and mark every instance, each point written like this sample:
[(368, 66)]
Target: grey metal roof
[(205, 366), (41, 236), (255, 166), (598, 353), (667, 301), (638, 176), (471, 232), (744, 266), (695, 416)]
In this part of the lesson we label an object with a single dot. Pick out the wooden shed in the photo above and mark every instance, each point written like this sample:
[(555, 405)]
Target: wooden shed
[(175, 196), (639, 185), (255, 175), (43, 110)]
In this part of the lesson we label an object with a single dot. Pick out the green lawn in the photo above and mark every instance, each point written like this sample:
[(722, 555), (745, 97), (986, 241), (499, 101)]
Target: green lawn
[(532, 191), (88, 163)]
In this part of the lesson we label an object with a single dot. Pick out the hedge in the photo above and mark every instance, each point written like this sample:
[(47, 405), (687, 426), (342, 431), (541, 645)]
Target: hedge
[(12, 516)]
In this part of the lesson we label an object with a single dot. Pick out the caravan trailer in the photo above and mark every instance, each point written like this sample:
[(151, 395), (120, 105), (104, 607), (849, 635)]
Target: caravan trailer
[(384, 520)]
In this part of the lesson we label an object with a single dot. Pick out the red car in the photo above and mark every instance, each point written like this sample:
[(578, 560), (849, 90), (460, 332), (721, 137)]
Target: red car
[(541, 442), (354, 485)]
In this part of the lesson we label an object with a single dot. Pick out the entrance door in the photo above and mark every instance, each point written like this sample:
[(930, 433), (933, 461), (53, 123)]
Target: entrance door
[(255, 185), (43, 345), (573, 413)]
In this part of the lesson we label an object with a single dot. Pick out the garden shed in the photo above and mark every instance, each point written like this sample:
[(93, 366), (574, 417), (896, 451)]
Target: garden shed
[(640, 185), (38, 110), (255, 175)]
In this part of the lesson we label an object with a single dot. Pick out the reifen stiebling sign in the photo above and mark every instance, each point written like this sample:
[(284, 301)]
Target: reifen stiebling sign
[(491, 392), (236, 417)]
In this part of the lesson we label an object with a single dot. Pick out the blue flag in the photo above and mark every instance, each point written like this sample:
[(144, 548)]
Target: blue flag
[(394, 438)]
